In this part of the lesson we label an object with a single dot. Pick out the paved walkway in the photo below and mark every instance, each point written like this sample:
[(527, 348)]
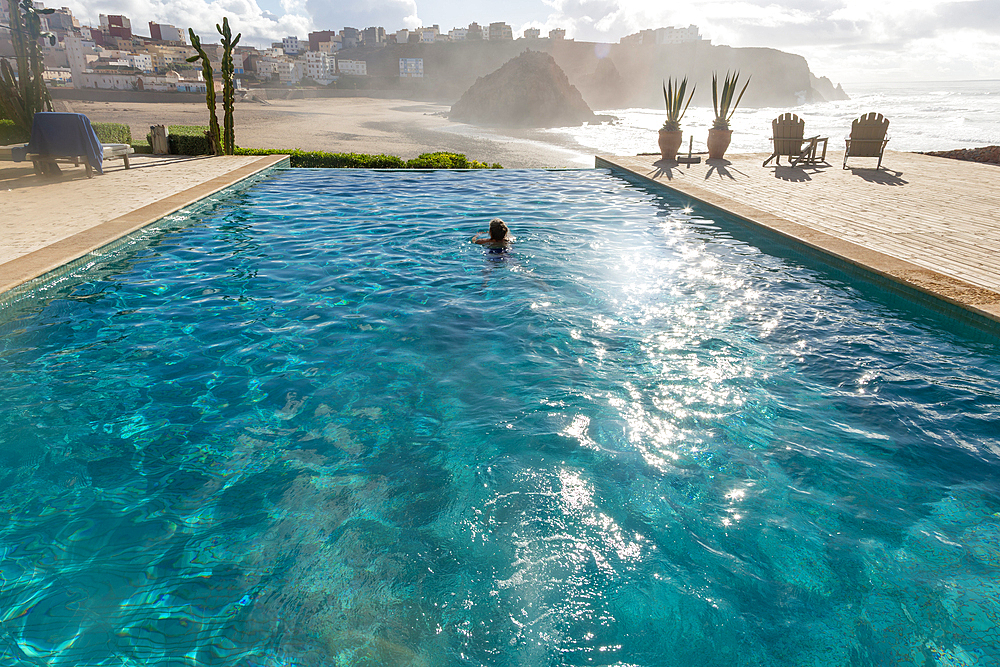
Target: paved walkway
[(930, 223), (48, 221)]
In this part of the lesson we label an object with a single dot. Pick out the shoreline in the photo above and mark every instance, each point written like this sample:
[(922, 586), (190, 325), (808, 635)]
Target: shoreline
[(404, 128), (393, 126)]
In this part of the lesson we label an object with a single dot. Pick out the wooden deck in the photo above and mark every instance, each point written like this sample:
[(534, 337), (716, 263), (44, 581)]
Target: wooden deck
[(930, 223)]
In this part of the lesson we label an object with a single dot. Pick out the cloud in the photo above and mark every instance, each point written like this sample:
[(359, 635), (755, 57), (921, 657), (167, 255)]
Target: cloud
[(848, 39), (389, 14)]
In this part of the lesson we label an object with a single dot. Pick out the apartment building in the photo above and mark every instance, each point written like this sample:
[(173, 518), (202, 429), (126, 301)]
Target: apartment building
[(500, 31), (291, 45), (116, 25), (532, 33), (164, 32), (411, 68), (318, 66), (352, 67)]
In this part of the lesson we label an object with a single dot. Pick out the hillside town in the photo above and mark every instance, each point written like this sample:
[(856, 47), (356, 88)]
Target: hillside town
[(111, 56)]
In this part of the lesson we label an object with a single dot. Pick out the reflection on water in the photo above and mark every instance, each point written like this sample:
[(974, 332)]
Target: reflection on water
[(322, 428)]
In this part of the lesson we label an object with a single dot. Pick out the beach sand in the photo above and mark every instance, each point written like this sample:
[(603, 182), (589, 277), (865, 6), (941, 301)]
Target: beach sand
[(351, 125)]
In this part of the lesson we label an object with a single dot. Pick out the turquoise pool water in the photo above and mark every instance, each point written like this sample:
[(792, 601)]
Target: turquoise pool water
[(313, 425)]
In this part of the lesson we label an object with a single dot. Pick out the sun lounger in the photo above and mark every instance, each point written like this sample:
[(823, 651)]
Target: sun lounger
[(868, 138), (112, 151), (12, 152), (789, 140), (63, 137)]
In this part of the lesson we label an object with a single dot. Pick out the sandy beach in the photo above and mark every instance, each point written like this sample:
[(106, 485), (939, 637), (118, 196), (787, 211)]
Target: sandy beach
[(352, 125)]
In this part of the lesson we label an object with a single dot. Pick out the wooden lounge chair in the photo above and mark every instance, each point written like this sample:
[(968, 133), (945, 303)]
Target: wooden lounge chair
[(868, 138), (788, 138)]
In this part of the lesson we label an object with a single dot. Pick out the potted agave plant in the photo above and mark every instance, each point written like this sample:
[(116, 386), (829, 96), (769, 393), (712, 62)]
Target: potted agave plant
[(719, 135), (670, 135)]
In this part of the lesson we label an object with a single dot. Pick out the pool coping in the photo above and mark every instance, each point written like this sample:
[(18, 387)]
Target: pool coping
[(52, 257), (982, 304)]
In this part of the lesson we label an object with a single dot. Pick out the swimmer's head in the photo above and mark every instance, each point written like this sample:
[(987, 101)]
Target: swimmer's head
[(498, 230)]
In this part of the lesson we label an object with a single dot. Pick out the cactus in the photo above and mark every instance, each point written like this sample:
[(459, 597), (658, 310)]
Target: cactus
[(228, 96), (22, 96), (206, 69)]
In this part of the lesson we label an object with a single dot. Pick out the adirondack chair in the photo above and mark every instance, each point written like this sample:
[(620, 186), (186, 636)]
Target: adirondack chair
[(788, 137), (868, 138)]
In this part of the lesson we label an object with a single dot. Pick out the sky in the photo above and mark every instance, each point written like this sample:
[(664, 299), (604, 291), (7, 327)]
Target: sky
[(862, 41)]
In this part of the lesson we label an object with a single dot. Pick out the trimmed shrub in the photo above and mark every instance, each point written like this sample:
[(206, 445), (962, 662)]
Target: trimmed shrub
[(189, 140), (10, 133), (143, 148), (442, 160), (113, 133), (297, 158), (185, 140)]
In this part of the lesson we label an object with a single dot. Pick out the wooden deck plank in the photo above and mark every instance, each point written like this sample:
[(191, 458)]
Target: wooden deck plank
[(927, 222)]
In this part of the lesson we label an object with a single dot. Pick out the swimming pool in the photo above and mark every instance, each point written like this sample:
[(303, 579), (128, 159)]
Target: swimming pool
[(313, 425)]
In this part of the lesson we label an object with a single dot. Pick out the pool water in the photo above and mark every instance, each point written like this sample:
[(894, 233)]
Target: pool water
[(313, 425)]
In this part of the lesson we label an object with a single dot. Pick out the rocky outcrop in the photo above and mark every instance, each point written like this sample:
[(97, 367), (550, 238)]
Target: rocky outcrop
[(605, 87), (529, 91), (824, 90), (987, 154)]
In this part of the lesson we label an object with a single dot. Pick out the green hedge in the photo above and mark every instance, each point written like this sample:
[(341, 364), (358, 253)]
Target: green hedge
[(189, 140), (113, 133), (10, 133), (442, 160), (299, 158), (438, 160), (185, 140)]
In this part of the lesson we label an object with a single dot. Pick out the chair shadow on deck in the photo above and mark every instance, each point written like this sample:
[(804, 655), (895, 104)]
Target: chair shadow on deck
[(798, 174), (882, 177)]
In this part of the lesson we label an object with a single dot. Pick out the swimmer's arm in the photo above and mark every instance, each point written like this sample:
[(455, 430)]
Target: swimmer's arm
[(476, 239)]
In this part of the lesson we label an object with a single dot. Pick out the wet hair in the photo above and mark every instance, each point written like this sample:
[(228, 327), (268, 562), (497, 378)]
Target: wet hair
[(498, 229)]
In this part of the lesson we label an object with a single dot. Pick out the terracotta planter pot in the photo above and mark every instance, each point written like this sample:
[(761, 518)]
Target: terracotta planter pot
[(670, 141), (718, 142)]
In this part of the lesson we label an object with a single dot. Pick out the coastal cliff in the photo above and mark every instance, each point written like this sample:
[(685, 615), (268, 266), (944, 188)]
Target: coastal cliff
[(608, 76), (530, 90)]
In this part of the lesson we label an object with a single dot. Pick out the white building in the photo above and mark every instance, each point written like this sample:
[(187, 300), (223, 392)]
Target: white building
[(291, 45), (80, 53), (142, 61), (673, 35), (266, 67), (402, 36), (290, 71), (532, 33), (429, 35), (318, 67), (352, 67), (458, 34), (411, 68)]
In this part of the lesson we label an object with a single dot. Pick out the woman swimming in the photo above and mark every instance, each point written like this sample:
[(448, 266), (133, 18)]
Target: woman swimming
[(499, 239)]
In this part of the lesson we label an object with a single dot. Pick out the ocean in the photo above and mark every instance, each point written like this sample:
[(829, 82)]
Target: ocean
[(924, 116)]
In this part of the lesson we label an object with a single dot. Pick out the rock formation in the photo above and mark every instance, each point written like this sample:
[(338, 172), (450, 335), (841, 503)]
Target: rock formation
[(529, 91)]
